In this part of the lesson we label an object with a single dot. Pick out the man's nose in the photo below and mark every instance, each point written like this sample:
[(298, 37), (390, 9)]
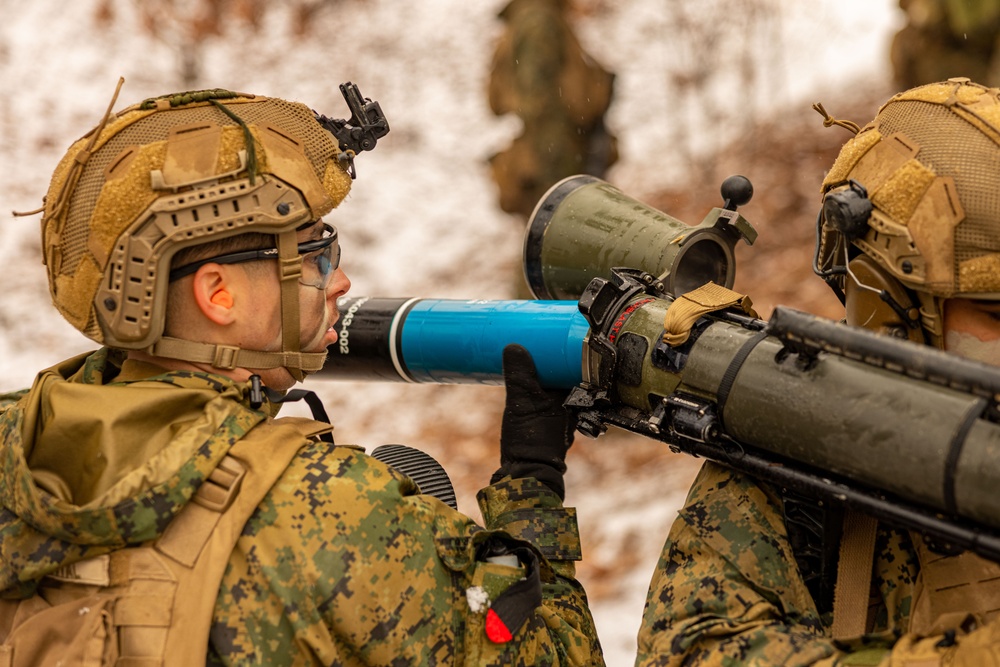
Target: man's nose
[(338, 286)]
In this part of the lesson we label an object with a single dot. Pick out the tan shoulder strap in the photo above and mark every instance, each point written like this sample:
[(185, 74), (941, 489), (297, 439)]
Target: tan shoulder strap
[(852, 594), (203, 541)]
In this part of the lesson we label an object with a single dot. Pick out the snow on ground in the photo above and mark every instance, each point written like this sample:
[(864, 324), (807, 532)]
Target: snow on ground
[(422, 218)]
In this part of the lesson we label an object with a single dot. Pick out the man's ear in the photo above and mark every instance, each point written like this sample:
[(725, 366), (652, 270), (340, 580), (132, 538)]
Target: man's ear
[(213, 293)]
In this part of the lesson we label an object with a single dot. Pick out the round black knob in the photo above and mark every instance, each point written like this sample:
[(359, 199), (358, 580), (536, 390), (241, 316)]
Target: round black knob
[(736, 191)]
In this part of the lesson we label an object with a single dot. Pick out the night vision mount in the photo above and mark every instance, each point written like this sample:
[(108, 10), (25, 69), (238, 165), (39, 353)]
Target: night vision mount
[(361, 131)]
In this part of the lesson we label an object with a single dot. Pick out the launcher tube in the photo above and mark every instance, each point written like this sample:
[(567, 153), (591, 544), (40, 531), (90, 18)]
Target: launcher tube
[(453, 341)]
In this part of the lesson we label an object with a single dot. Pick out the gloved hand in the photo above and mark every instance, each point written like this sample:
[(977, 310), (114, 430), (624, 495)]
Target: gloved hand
[(536, 430)]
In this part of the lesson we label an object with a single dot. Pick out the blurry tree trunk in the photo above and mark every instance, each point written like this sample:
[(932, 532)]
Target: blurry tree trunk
[(190, 57)]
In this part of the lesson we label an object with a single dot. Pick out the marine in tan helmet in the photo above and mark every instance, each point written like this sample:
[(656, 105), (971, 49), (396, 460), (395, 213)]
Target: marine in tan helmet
[(153, 509), (909, 237), (171, 175), (910, 233)]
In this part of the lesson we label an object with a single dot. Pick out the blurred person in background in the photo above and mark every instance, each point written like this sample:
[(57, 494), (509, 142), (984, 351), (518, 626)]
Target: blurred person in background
[(153, 509), (946, 38), (542, 74), (742, 578)]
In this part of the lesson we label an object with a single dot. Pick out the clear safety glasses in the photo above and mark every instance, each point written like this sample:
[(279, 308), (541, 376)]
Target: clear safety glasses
[(320, 259)]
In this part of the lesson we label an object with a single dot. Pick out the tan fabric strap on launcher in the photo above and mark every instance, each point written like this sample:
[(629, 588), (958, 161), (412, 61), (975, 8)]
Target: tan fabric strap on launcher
[(690, 306)]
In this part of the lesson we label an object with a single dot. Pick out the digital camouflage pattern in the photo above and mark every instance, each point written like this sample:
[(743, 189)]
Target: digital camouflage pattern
[(342, 563), (344, 560), (726, 590)]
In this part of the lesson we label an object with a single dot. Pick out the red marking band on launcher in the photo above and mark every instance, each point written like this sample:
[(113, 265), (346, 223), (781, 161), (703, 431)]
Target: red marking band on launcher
[(616, 328)]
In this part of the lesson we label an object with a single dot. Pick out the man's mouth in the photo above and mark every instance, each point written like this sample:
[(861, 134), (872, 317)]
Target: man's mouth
[(331, 333)]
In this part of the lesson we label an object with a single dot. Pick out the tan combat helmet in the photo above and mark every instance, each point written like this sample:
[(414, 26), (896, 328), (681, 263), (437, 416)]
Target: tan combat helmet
[(182, 170), (911, 211)]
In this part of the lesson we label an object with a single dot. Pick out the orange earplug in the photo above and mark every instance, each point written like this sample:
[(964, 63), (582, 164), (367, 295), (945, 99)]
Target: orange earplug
[(222, 298)]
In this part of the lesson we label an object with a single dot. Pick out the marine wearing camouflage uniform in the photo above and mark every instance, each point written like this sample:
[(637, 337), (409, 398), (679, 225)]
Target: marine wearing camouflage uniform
[(166, 515), (343, 562), (726, 590), (729, 589)]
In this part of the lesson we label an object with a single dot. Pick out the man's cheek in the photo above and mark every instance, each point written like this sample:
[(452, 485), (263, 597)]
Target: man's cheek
[(968, 346)]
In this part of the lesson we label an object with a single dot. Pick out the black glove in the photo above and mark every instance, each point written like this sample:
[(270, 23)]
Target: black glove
[(536, 430)]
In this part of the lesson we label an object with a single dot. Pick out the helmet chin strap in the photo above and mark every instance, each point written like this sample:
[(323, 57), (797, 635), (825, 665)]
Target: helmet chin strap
[(290, 271), (228, 357)]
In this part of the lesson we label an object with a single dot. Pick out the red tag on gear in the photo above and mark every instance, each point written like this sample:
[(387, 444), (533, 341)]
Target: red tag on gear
[(496, 630), (515, 605)]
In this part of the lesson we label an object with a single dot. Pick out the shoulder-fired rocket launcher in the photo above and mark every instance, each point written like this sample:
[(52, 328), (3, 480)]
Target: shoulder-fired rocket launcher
[(831, 412)]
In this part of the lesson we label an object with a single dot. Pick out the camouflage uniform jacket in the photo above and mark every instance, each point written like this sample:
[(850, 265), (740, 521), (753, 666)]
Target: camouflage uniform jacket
[(343, 562), (727, 591)]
